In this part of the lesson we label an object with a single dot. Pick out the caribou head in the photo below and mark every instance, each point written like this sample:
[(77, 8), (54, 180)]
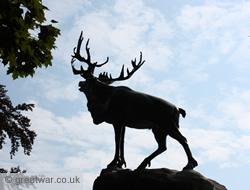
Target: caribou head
[(123, 107)]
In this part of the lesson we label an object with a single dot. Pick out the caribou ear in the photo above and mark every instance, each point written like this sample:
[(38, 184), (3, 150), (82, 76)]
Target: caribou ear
[(103, 77)]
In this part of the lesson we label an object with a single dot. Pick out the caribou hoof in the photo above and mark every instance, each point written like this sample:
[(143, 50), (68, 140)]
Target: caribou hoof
[(143, 165), (112, 164), (117, 163), (188, 167), (191, 165), (121, 163)]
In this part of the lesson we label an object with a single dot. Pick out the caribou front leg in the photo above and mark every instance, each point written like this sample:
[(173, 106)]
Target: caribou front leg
[(122, 159), (118, 160)]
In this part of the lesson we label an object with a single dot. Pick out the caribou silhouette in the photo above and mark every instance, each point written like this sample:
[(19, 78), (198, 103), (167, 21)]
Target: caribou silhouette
[(123, 107)]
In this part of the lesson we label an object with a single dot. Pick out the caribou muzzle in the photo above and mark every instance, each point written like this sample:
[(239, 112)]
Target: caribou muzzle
[(81, 85)]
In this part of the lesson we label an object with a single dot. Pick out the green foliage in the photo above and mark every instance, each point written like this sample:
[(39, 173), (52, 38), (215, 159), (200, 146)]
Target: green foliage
[(25, 41), (14, 125), (15, 170)]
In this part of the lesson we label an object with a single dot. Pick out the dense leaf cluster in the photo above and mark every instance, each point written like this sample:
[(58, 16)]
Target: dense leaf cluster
[(14, 125), (25, 41), (15, 170)]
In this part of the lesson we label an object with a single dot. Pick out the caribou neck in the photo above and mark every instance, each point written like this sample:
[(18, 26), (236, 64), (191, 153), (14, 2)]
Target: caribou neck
[(98, 91)]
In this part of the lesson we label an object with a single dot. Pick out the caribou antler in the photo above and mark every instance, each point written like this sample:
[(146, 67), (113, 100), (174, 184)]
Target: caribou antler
[(91, 66), (77, 55), (108, 79)]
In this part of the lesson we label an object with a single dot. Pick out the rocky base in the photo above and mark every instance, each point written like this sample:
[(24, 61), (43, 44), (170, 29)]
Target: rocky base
[(154, 179)]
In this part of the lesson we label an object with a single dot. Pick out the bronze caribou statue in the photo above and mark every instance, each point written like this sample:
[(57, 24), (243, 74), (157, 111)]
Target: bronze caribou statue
[(123, 107)]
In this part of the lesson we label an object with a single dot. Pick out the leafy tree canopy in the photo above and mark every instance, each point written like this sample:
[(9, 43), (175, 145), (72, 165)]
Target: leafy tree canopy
[(25, 41), (14, 125)]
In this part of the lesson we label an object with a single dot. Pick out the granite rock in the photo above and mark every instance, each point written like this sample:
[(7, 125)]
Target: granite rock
[(154, 179)]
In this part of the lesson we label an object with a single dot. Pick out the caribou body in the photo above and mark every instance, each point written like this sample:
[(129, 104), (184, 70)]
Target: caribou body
[(123, 107)]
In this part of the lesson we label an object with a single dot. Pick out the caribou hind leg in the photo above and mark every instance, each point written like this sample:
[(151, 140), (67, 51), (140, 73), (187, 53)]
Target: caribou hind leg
[(160, 137), (176, 134)]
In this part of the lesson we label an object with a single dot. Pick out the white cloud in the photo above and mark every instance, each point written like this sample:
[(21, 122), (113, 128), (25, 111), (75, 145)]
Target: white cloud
[(240, 54), (57, 90), (54, 88), (227, 42), (236, 108), (170, 90), (62, 11), (214, 146), (229, 165), (214, 30), (209, 19), (87, 161)]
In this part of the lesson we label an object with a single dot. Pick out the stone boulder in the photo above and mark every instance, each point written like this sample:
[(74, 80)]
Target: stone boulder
[(154, 179)]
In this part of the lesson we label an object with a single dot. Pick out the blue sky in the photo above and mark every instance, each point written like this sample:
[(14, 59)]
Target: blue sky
[(197, 57)]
